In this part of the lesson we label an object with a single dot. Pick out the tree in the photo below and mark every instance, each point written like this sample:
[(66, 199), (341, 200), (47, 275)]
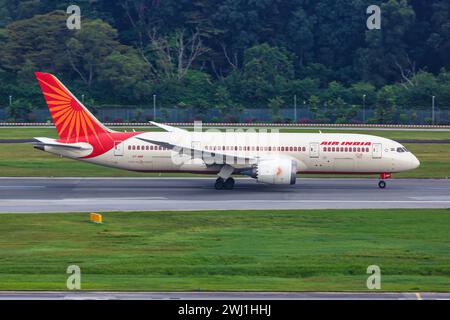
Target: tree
[(175, 55), (335, 101), (386, 58), (38, 40), (439, 39), (275, 105), (89, 46), (361, 92), (125, 75), (418, 92), (387, 107), (265, 74)]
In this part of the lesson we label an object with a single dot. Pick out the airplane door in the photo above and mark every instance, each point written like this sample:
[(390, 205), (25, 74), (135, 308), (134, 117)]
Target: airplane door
[(118, 148), (314, 150), (195, 144), (377, 151)]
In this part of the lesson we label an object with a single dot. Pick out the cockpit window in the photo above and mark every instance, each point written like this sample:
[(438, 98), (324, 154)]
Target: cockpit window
[(402, 149)]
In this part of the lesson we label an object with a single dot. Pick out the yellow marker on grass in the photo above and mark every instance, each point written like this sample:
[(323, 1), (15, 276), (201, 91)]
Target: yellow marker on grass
[(96, 217)]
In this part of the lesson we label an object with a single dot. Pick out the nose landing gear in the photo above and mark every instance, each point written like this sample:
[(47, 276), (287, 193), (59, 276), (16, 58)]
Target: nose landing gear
[(384, 176)]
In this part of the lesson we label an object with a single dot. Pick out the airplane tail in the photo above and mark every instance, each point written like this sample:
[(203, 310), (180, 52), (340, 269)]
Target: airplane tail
[(72, 119)]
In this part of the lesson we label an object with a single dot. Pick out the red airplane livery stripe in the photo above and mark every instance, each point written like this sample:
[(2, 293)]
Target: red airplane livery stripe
[(73, 121)]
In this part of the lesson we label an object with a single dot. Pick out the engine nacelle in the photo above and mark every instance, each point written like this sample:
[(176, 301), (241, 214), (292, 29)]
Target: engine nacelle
[(276, 171)]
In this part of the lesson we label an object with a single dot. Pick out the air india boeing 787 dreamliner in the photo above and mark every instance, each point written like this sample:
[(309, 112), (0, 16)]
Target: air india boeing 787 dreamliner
[(273, 158)]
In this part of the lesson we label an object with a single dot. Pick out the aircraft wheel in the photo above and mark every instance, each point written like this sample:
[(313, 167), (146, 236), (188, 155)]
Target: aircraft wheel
[(382, 184), (229, 184), (219, 184)]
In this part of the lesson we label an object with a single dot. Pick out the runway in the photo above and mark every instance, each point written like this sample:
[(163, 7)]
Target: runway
[(34, 195), (257, 296)]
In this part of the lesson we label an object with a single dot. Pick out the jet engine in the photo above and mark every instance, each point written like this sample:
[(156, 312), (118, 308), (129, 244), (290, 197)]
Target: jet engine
[(275, 171)]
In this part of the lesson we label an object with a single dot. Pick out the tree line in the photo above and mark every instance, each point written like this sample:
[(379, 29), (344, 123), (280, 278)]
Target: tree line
[(230, 55)]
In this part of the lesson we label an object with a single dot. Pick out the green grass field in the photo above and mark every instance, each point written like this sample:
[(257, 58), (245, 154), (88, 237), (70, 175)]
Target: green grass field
[(23, 160), (235, 250)]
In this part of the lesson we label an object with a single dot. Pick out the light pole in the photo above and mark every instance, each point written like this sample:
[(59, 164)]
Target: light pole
[(364, 108), (154, 107), (433, 115), (295, 108)]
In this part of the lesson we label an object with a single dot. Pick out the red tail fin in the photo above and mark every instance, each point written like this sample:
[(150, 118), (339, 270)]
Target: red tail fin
[(73, 121)]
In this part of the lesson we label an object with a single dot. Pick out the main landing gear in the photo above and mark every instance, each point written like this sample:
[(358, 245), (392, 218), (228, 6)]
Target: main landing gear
[(384, 176), (227, 184), (225, 181)]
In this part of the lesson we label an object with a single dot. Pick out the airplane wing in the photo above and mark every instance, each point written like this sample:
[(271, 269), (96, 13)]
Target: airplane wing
[(168, 128), (224, 158)]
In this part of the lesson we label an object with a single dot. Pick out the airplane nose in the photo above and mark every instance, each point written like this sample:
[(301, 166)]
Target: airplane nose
[(415, 162)]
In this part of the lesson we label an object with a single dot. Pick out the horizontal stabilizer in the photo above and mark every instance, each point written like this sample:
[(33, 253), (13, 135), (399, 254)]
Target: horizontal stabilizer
[(41, 143)]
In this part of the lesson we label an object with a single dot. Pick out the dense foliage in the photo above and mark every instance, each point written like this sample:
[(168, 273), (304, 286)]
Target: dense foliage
[(231, 54)]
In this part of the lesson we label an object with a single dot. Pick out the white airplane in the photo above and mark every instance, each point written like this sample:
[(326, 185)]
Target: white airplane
[(273, 158)]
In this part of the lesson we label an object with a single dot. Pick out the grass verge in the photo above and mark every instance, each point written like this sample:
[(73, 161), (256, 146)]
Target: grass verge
[(323, 250)]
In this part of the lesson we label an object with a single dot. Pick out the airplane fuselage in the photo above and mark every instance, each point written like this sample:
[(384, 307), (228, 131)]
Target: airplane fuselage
[(313, 152)]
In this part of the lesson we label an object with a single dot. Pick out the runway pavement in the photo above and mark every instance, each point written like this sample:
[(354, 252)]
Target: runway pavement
[(257, 296), (32, 195)]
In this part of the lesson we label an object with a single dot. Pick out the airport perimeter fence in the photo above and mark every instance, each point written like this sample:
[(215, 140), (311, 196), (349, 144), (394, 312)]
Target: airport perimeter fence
[(249, 125), (300, 116)]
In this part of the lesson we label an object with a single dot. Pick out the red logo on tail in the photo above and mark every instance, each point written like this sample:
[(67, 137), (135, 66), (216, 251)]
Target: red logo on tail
[(73, 121)]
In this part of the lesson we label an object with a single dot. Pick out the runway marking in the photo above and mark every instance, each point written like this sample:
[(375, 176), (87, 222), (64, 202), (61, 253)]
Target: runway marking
[(139, 295), (418, 296), (21, 187), (225, 200)]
